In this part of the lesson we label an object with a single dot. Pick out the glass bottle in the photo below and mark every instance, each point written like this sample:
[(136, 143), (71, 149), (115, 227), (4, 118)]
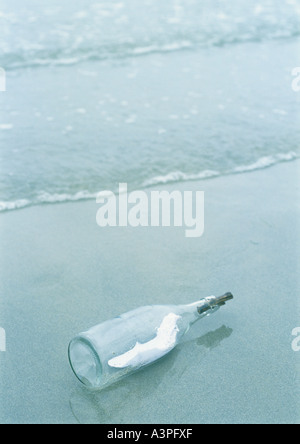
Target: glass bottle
[(116, 348)]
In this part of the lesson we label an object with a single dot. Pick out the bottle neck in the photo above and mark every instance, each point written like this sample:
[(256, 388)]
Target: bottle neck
[(199, 309)]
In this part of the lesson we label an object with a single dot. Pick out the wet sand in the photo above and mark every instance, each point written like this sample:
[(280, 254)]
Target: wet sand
[(61, 274)]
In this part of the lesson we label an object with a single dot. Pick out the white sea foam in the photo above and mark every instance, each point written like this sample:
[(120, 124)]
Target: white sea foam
[(179, 176), (172, 177), (175, 46), (266, 161), (54, 37), (46, 198), (21, 203), (64, 197)]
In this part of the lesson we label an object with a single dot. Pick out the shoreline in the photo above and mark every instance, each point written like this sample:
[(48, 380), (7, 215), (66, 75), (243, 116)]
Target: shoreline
[(61, 274), (159, 181)]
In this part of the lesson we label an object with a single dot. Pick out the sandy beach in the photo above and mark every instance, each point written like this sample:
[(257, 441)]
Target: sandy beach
[(61, 274)]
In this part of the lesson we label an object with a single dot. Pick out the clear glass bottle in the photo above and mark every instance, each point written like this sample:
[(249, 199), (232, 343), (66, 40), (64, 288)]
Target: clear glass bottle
[(116, 348)]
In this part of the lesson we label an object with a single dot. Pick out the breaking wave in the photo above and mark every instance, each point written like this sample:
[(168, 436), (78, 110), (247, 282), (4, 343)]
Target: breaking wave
[(116, 30), (172, 177)]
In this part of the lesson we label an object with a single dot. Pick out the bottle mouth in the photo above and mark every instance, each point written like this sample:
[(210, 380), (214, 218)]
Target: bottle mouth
[(214, 302), (85, 362)]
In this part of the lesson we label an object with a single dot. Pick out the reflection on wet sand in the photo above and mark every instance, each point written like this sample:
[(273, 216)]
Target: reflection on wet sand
[(112, 404), (214, 338)]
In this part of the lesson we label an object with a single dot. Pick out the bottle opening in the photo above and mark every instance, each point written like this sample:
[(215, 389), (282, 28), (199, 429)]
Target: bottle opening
[(85, 362)]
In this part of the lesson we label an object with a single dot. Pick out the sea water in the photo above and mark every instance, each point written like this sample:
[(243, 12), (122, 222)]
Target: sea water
[(143, 92)]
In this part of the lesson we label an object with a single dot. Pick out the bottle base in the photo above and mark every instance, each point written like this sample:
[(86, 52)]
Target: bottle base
[(85, 363)]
